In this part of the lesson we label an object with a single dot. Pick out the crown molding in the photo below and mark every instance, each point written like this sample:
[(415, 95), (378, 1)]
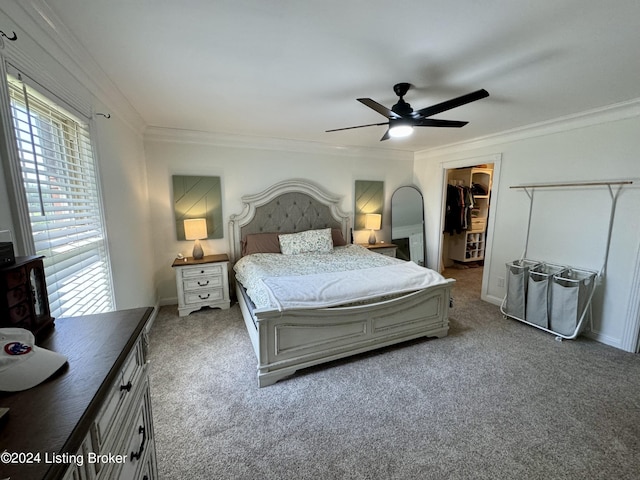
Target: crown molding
[(173, 135), (38, 20), (597, 116)]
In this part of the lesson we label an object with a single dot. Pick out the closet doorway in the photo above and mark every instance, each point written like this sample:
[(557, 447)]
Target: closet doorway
[(469, 201)]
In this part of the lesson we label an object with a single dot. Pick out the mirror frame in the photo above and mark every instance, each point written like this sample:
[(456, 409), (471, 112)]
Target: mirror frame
[(424, 245)]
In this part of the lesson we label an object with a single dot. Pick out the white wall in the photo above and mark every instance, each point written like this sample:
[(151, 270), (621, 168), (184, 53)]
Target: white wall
[(247, 167), (125, 198), (569, 225)]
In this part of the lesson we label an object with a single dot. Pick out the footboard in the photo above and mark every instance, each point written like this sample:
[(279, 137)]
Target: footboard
[(291, 340)]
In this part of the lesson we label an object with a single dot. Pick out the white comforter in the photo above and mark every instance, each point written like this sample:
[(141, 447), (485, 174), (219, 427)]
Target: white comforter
[(349, 274)]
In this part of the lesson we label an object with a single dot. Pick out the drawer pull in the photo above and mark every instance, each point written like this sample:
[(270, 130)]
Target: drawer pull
[(126, 387), (138, 454), (201, 271), (204, 297), (203, 284)]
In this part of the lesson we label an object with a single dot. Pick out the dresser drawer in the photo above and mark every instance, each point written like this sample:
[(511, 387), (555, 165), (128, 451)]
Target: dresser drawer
[(19, 314), (16, 277), (119, 398), (204, 296), (17, 295), (204, 282), (138, 446), (201, 270)]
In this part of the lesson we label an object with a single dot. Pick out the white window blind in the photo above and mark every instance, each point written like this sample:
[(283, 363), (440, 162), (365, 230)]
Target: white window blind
[(63, 196)]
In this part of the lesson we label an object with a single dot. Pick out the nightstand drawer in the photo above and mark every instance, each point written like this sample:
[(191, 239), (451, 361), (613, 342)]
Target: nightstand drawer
[(204, 296), (388, 251), (200, 270), (204, 282)]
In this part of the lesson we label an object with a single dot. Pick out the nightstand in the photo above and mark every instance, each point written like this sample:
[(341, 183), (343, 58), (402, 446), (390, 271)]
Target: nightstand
[(202, 283), (388, 249)]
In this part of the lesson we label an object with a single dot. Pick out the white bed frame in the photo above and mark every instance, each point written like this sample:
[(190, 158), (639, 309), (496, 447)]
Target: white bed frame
[(285, 342)]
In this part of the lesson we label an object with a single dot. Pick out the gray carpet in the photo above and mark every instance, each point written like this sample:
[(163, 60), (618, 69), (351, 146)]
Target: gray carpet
[(495, 399)]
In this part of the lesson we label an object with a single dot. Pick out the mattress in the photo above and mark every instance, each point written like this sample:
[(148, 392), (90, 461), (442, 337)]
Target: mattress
[(347, 275)]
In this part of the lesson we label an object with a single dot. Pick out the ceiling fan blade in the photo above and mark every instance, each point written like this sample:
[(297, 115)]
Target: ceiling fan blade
[(434, 122), (386, 136), (453, 103), (358, 126), (381, 109)]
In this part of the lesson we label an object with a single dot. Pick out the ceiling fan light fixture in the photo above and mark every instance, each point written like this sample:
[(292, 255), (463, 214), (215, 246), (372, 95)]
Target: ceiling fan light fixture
[(399, 131)]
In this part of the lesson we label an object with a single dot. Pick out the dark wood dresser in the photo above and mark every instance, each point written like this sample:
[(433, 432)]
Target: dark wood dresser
[(92, 419)]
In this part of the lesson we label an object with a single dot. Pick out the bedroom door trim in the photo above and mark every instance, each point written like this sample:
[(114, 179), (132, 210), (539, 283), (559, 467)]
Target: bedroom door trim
[(631, 333), (496, 159)]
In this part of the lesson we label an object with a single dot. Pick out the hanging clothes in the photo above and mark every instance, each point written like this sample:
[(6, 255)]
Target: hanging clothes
[(459, 204)]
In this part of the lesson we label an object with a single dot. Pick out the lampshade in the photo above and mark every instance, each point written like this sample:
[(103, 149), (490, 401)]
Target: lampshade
[(372, 221), (195, 229)]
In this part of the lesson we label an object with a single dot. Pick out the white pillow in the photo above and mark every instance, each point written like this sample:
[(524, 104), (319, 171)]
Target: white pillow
[(310, 241)]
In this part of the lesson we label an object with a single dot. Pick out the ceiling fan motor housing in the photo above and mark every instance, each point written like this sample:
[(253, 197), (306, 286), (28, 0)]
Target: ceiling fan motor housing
[(402, 108)]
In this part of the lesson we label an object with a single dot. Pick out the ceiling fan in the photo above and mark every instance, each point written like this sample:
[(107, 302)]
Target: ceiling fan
[(402, 118)]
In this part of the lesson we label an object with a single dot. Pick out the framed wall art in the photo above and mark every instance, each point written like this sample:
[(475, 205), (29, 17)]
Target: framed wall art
[(369, 198), (198, 197)]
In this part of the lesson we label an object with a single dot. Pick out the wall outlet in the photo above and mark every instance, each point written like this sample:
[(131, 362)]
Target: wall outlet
[(501, 282)]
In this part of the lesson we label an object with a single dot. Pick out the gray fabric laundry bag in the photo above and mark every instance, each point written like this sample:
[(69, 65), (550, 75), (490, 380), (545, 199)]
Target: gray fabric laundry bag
[(539, 293), (570, 293), (517, 282)]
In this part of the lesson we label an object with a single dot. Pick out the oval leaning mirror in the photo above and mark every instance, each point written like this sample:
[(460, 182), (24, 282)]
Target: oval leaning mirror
[(407, 224)]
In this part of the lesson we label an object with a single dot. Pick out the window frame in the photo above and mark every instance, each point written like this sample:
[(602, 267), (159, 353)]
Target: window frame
[(20, 212)]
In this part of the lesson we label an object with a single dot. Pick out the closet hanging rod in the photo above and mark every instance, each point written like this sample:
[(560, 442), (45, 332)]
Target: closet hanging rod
[(576, 184)]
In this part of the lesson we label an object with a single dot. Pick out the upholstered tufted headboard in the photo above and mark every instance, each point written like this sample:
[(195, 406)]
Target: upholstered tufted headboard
[(288, 206)]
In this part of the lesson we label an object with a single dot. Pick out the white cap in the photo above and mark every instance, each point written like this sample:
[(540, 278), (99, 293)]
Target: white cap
[(23, 364)]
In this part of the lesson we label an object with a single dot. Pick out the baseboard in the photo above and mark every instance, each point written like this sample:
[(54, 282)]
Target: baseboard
[(168, 301), (492, 299), (607, 340)]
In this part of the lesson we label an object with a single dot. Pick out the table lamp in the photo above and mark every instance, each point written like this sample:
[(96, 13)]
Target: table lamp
[(372, 222), (196, 229)]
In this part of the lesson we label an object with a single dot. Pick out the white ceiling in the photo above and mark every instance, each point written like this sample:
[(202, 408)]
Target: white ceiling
[(291, 69)]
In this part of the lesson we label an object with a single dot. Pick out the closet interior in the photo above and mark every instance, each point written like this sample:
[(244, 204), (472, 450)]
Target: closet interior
[(466, 214)]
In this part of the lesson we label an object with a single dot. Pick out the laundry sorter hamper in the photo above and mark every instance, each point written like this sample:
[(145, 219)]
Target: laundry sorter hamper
[(538, 305), (571, 293), (517, 283), (557, 301)]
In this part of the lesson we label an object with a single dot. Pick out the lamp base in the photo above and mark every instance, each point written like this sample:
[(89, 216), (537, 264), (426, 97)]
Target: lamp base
[(372, 238), (198, 253)]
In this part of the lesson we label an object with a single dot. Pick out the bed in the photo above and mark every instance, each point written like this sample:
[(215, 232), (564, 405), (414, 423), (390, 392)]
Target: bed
[(289, 334)]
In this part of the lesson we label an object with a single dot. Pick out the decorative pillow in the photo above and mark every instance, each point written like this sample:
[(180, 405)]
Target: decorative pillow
[(338, 239), (260, 243), (310, 241)]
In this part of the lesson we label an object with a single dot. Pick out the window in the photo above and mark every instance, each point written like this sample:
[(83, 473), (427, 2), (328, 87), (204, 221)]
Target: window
[(63, 198)]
